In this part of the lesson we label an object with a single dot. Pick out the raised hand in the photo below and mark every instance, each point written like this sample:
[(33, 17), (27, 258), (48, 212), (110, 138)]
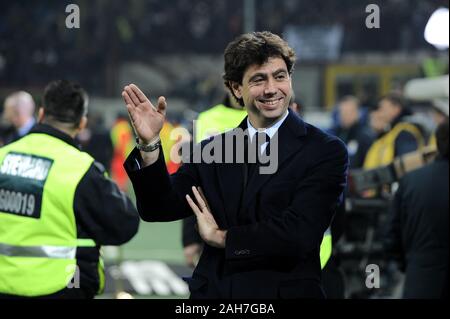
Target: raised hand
[(147, 120)]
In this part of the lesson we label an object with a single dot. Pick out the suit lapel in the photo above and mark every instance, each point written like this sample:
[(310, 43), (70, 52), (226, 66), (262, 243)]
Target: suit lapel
[(289, 142), (231, 182)]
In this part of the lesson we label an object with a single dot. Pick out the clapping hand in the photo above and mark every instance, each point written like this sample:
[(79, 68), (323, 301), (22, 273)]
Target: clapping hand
[(146, 119)]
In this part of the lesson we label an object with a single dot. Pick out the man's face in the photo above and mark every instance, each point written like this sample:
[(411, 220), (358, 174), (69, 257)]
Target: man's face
[(376, 121), (348, 113), (388, 111), (266, 91)]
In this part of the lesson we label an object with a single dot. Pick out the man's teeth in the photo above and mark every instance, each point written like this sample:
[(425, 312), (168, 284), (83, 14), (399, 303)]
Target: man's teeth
[(270, 102)]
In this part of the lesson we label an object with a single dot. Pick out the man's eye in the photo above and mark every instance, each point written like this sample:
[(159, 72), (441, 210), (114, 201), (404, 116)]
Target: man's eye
[(280, 77)]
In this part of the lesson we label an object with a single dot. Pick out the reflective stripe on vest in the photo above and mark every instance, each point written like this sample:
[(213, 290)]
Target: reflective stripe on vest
[(38, 251), (44, 251), (39, 175)]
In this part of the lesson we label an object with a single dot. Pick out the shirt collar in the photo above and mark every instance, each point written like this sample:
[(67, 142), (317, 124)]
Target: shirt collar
[(270, 131)]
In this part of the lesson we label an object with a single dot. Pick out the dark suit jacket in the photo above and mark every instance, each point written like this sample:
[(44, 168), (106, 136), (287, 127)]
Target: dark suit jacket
[(274, 229), (418, 230)]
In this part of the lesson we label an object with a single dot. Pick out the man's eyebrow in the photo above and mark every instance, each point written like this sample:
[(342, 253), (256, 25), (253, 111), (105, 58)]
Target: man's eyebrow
[(280, 71)]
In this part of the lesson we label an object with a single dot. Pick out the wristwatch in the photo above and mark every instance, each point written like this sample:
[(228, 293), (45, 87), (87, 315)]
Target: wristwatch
[(150, 147)]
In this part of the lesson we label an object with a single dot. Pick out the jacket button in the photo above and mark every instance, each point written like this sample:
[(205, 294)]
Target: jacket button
[(242, 252)]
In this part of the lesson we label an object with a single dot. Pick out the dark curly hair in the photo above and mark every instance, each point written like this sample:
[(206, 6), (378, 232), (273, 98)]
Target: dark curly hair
[(65, 102), (254, 48)]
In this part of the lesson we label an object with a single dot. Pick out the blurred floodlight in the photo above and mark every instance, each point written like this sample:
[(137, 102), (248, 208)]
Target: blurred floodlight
[(436, 31)]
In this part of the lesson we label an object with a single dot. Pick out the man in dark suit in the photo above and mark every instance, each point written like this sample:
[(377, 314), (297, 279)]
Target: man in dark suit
[(262, 225), (417, 235)]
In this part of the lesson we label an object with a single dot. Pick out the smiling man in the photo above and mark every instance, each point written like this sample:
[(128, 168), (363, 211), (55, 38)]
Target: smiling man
[(262, 231)]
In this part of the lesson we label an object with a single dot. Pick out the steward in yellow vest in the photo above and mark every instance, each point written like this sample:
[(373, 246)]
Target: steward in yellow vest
[(402, 136), (57, 207)]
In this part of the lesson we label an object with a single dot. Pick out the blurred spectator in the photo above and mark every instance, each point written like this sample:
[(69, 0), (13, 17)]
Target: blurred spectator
[(439, 113), (123, 143), (171, 140), (96, 141), (352, 131), (417, 235), (401, 136), (19, 112), (36, 46), (376, 123)]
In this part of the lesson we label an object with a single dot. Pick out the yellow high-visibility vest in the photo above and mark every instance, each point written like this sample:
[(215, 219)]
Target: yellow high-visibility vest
[(39, 175), (382, 151)]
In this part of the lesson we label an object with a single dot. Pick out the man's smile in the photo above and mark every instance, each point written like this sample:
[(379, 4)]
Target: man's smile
[(270, 104)]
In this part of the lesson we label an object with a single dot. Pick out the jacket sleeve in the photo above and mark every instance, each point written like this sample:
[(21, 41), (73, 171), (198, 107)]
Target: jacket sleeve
[(103, 212), (299, 229), (160, 197)]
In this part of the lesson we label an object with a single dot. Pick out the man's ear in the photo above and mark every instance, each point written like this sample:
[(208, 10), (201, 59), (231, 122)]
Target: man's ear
[(83, 123), (41, 115), (237, 89)]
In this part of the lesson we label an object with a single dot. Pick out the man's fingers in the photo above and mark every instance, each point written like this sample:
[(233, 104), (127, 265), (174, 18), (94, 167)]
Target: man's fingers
[(194, 207), (199, 198), (132, 95), (131, 112), (203, 196), (139, 94), (162, 105), (127, 98)]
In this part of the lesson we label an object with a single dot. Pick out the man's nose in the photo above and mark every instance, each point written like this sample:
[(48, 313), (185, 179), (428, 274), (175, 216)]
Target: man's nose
[(270, 87)]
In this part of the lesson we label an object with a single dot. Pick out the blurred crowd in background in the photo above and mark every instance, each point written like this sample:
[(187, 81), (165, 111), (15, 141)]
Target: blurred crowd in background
[(36, 46)]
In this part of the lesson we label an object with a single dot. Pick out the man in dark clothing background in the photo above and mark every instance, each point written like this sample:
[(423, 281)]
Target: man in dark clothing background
[(417, 235)]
